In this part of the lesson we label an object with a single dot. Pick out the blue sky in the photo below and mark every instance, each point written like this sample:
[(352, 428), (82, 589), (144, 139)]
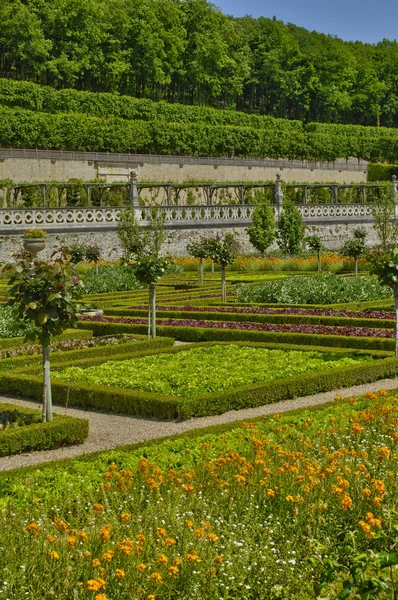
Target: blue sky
[(364, 20)]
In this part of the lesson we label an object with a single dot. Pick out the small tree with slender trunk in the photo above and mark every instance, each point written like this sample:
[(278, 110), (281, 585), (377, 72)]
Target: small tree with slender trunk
[(200, 248), (385, 266), (93, 254), (355, 248), (43, 292), (142, 246), (314, 242), (222, 252), (291, 229)]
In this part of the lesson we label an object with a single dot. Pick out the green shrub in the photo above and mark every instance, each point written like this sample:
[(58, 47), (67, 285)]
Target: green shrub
[(34, 435), (321, 289), (109, 278)]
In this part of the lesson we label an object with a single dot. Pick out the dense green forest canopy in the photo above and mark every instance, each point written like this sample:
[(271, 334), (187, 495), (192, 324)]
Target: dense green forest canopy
[(188, 51)]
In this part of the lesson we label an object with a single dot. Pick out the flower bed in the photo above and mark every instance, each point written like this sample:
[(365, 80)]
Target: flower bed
[(248, 326), (22, 431), (206, 369), (249, 511)]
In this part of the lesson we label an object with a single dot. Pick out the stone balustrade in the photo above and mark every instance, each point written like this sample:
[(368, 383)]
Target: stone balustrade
[(53, 220)]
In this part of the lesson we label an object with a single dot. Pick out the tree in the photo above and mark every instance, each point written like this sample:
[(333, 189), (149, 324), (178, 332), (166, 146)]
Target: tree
[(290, 229), (142, 246), (355, 248), (385, 266), (262, 230), (385, 224), (199, 248), (93, 254), (222, 252), (43, 292), (314, 242)]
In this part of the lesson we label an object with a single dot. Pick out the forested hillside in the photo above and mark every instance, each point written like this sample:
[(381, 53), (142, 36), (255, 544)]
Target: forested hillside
[(191, 53)]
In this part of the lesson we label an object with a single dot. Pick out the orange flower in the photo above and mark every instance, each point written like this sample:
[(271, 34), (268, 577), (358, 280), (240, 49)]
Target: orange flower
[(188, 487), (83, 536), (212, 537), (113, 467), (51, 539), (96, 563), (33, 528), (270, 493), (169, 542), (157, 578), (163, 560), (105, 533), (100, 597), (94, 585), (161, 532), (108, 556), (125, 517), (219, 559), (356, 428), (99, 508), (120, 574), (173, 571), (189, 523), (141, 567), (72, 540), (346, 502)]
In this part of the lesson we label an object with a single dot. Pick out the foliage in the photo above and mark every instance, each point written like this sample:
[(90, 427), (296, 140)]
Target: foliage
[(385, 267), (380, 172), (92, 253), (261, 502), (314, 242), (26, 434), (109, 278), (199, 248), (262, 230), (206, 369), (34, 234), (290, 232), (149, 269), (385, 224), (322, 289), (77, 253), (222, 250), (11, 324), (43, 293)]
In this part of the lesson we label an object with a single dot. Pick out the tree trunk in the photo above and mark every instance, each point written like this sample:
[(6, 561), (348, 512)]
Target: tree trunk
[(396, 321), (153, 312), (319, 261), (201, 270), (149, 312), (47, 411), (212, 266), (223, 285), (356, 267)]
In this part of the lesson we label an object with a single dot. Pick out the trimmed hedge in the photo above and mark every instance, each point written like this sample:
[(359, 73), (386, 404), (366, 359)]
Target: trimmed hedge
[(202, 334), (39, 116), (62, 431), (259, 318), (168, 407), (99, 353), (68, 334)]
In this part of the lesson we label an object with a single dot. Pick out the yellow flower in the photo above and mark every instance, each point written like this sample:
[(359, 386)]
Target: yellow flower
[(151, 597), (212, 537), (169, 542), (120, 574), (161, 532), (108, 556), (125, 517), (96, 563), (218, 559), (141, 567), (100, 597), (53, 555), (346, 502), (156, 577), (83, 536), (163, 560), (72, 541), (270, 493), (173, 571), (105, 533), (94, 585), (189, 523), (99, 508)]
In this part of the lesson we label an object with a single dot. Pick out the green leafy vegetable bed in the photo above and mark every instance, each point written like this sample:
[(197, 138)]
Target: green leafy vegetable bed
[(206, 369)]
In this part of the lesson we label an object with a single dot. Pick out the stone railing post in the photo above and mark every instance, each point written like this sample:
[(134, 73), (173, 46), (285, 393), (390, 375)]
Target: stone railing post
[(278, 195), (134, 198)]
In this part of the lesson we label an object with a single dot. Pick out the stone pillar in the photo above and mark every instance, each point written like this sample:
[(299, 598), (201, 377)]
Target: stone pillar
[(278, 195), (43, 193), (134, 198)]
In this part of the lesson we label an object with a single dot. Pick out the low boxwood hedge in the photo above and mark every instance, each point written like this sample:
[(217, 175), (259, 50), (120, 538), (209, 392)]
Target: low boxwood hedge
[(62, 431), (202, 334), (163, 406), (257, 318), (68, 334)]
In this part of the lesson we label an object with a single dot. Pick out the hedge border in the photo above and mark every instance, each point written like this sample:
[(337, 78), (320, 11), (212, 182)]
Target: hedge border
[(165, 406), (202, 334), (63, 430), (68, 334)]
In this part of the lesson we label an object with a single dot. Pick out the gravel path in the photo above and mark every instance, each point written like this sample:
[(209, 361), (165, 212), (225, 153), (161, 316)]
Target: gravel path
[(108, 430)]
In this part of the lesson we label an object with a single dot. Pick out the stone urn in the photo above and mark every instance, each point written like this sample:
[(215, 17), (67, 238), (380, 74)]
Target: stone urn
[(34, 245)]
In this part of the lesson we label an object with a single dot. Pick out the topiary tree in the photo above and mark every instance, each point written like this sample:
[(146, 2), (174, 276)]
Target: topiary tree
[(290, 232), (199, 249), (314, 242), (43, 292), (355, 248), (385, 266), (262, 230), (77, 253), (93, 254), (142, 246), (222, 252)]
